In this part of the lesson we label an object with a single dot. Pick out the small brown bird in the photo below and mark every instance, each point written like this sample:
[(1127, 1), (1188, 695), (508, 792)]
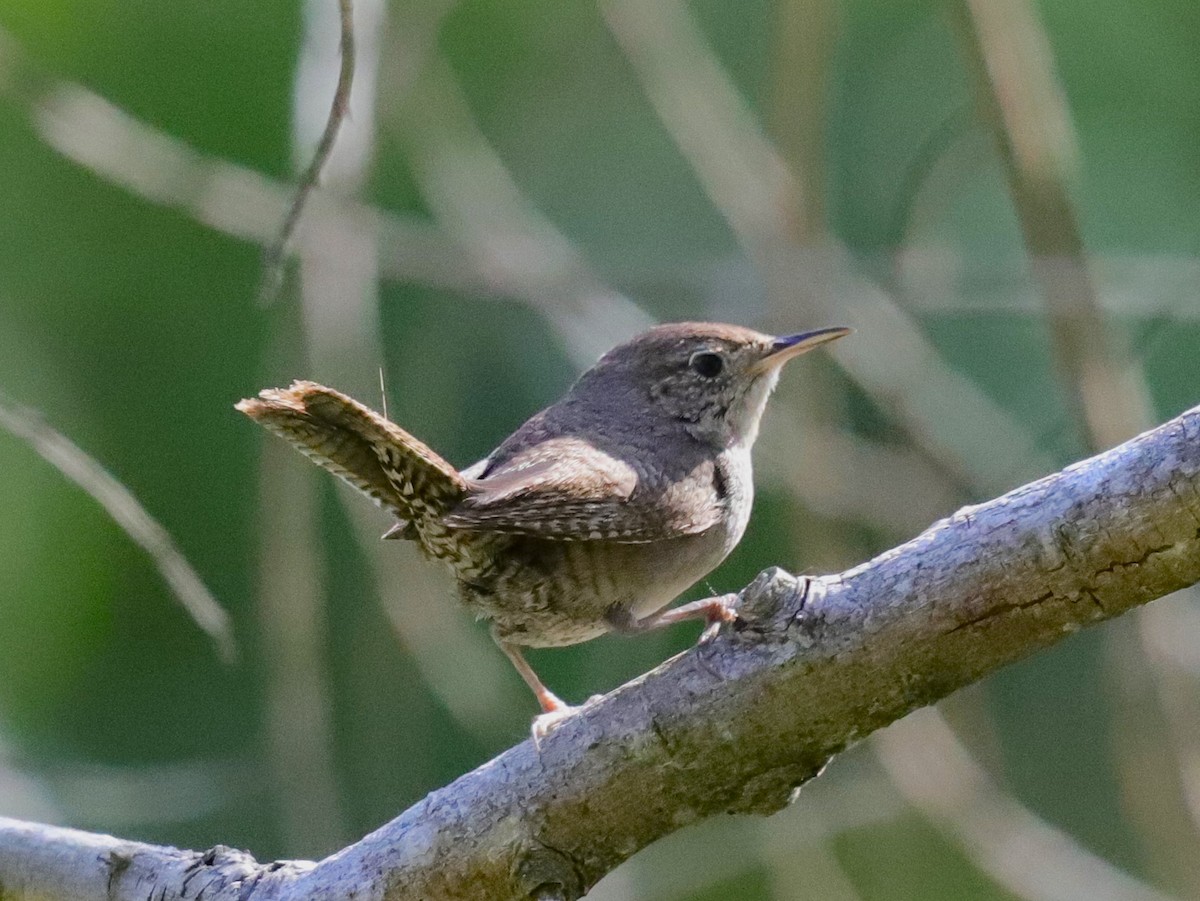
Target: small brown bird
[(597, 512)]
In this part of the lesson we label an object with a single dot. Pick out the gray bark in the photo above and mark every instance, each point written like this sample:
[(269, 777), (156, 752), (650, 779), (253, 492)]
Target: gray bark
[(735, 725)]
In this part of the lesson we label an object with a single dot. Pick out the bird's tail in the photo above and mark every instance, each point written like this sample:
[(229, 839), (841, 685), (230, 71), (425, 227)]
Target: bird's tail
[(376, 456)]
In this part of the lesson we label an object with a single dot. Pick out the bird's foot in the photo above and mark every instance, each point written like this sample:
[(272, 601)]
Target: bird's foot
[(547, 722), (718, 611)]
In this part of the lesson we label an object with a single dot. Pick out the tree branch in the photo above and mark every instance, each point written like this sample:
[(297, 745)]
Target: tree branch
[(339, 108), (735, 725), (127, 512)]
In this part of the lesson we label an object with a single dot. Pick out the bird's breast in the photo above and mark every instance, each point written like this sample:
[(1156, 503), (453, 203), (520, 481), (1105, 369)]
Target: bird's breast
[(735, 481)]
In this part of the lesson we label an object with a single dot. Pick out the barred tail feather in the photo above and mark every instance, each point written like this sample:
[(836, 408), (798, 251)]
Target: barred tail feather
[(376, 456)]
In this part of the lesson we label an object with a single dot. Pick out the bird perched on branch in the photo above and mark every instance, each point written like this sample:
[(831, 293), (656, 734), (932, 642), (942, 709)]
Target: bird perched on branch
[(597, 512)]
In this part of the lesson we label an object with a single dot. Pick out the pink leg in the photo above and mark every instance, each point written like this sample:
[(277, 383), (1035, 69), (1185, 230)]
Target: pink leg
[(549, 701), (714, 611)]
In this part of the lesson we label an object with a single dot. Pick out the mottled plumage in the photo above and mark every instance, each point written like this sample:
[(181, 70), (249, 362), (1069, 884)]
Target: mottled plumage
[(598, 511)]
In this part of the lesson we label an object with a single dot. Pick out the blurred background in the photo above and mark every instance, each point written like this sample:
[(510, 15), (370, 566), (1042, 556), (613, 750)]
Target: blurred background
[(1001, 197)]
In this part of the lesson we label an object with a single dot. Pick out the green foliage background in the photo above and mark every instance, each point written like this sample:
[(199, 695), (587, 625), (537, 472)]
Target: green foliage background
[(132, 325)]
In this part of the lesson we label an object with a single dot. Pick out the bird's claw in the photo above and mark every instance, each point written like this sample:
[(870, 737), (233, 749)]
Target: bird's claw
[(721, 611), (547, 722)]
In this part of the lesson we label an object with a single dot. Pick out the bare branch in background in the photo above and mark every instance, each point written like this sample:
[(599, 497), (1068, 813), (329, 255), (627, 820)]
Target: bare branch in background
[(335, 333), (1024, 105), (148, 794), (1168, 641), (842, 476), (517, 255), (273, 259), (475, 199), (942, 411), (718, 134), (806, 35), (931, 151), (232, 199), (737, 724), (151, 164), (1022, 852), (1132, 286), (297, 708), (341, 331), (127, 512)]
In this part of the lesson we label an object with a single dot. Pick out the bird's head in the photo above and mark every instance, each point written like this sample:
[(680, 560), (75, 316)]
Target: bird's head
[(714, 378)]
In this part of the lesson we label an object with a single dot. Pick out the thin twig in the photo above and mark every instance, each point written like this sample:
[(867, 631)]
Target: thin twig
[(274, 255), (118, 501), (334, 332)]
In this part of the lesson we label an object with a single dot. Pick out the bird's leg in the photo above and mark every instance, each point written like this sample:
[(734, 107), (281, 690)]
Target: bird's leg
[(554, 708), (550, 702), (713, 611)]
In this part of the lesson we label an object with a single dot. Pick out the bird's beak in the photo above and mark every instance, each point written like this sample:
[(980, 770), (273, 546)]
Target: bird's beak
[(783, 349)]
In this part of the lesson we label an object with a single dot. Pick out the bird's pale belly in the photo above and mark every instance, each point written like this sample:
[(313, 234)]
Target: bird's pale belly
[(550, 593)]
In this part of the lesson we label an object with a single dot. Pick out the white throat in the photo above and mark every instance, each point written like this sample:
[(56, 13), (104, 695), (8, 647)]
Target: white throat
[(750, 411)]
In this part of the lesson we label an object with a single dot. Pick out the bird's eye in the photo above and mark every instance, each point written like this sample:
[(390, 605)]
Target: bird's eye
[(706, 363)]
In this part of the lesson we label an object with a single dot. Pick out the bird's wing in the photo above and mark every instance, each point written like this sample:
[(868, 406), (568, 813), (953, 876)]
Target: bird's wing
[(567, 490)]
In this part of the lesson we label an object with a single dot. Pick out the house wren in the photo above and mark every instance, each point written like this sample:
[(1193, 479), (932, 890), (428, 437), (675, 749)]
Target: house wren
[(596, 513)]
